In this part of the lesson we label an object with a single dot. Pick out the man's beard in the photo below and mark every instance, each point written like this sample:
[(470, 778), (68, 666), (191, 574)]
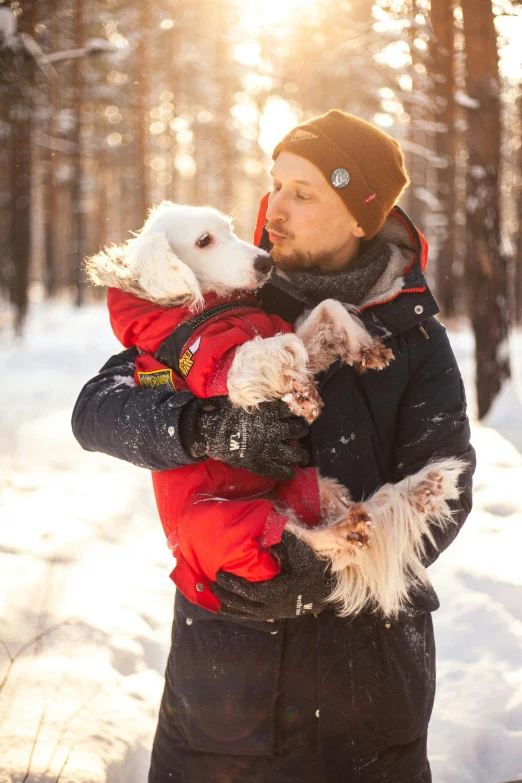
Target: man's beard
[(299, 261)]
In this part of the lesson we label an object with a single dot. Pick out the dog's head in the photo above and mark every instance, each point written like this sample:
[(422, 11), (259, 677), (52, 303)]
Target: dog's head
[(181, 253)]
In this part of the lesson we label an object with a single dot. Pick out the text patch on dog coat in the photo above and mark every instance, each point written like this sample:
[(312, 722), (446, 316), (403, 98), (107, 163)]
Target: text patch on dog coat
[(157, 379), (186, 362)]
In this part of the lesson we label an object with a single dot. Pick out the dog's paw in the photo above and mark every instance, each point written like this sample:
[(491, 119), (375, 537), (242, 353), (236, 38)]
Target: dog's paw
[(376, 357), (354, 530), (304, 400), (428, 495)]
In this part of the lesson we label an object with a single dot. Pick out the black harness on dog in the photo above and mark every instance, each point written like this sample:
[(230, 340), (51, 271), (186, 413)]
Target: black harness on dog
[(170, 349)]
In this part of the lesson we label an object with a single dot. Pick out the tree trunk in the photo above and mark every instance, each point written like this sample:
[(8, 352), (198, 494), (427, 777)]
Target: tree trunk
[(443, 75), (417, 165), (223, 146), (142, 113), (21, 172), (517, 304), (49, 160), (485, 271), (78, 218), (50, 275)]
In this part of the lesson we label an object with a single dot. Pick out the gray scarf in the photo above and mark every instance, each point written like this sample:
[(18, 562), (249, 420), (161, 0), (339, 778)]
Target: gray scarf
[(350, 285)]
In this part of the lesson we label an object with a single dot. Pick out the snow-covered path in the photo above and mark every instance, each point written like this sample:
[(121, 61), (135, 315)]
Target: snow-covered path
[(80, 544)]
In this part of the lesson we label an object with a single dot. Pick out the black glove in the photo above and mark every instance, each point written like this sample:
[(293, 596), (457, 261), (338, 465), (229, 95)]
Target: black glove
[(257, 441), (301, 587)]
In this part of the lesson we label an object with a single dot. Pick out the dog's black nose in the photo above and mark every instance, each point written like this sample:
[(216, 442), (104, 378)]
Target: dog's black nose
[(262, 264)]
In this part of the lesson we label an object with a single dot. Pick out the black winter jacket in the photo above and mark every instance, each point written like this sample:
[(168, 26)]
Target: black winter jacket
[(316, 698)]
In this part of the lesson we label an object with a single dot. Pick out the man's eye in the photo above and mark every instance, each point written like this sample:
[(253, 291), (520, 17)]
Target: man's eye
[(204, 240), (275, 188), (301, 197)]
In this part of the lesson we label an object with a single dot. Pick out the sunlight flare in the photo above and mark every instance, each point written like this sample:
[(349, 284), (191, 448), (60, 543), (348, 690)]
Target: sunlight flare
[(271, 13)]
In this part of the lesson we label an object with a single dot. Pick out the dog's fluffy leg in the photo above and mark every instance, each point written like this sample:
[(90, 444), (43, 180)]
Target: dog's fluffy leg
[(274, 368), (403, 517), (330, 332), (345, 524), (376, 547)]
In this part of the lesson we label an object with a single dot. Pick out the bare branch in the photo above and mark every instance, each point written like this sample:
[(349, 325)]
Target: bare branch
[(6, 648), (28, 644), (38, 730), (66, 725), (62, 769)]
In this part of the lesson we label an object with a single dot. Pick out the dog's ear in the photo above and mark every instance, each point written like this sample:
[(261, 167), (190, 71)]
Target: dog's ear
[(162, 275), (109, 267)]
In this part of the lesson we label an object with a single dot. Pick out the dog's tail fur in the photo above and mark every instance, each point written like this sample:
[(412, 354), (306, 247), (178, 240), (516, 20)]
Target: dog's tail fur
[(380, 577)]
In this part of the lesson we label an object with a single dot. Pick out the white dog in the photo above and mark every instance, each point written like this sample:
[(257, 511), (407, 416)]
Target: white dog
[(375, 548)]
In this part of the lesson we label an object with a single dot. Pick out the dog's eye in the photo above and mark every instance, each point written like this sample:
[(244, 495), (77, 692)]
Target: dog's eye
[(204, 240)]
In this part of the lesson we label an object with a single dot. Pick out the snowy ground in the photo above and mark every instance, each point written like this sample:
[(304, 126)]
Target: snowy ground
[(80, 544)]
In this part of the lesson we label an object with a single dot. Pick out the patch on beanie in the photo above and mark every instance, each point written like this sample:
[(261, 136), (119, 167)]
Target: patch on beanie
[(371, 197), (301, 134), (340, 178)]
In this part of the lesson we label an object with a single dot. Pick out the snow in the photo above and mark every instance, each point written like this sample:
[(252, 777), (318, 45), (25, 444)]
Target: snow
[(32, 47), (93, 46), (9, 38), (424, 152), (80, 544), (462, 99), (506, 414), (478, 172), (7, 26), (428, 198)]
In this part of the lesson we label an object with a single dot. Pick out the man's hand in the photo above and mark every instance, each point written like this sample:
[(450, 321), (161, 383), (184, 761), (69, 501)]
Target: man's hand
[(301, 587), (257, 441)]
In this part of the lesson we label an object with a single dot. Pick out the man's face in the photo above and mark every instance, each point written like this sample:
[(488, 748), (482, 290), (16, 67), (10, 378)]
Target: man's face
[(307, 223)]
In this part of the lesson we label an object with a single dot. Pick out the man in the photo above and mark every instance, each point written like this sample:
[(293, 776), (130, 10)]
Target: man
[(277, 688)]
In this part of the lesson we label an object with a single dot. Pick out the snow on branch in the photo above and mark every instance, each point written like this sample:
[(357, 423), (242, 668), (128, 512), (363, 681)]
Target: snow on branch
[(93, 46), (430, 127), (428, 198), (7, 27), (466, 100), (57, 145), (423, 152), (9, 38), (418, 98), (31, 47)]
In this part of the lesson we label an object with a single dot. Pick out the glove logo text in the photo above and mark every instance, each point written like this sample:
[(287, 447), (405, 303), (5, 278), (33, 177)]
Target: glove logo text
[(301, 608), (234, 441)]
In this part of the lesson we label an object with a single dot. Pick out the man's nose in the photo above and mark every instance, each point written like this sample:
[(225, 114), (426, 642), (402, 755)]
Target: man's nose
[(262, 264), (276, 209)]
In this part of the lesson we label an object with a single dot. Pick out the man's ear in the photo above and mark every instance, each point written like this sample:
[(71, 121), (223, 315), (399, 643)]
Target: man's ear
[(163, 277), (358, 231)]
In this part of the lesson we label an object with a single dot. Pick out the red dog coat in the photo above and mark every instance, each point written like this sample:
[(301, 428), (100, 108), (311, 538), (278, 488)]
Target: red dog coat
[(215, 517)]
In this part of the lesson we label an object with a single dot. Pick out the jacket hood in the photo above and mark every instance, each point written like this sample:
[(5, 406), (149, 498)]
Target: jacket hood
[(139, 322)]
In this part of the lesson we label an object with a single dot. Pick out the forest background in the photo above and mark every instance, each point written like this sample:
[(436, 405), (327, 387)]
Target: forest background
[(108, 107)]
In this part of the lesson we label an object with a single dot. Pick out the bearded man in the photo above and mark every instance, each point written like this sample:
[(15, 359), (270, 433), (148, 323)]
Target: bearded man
[(277, 688)]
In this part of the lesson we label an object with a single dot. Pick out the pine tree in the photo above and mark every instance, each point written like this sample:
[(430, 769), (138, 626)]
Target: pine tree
[(18, 65), (485, 262), (442, 65)]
